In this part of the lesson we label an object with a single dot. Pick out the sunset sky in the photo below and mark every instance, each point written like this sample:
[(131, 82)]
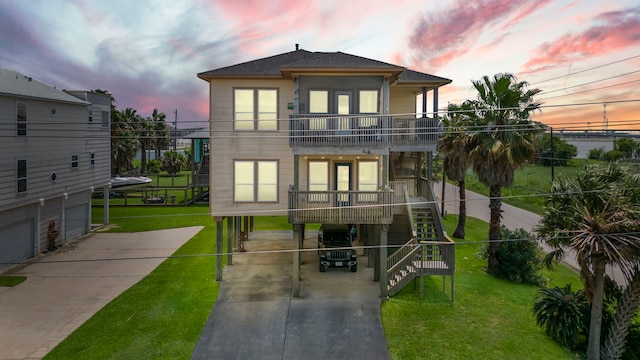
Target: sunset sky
[(147, 53)]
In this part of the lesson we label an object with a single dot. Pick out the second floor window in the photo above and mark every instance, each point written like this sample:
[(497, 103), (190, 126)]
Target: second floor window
[(21, 119), (255, 109), (74, 161)]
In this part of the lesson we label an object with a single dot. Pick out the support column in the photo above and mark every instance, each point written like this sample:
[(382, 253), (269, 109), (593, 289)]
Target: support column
[(424, 101), (385, 96), (219, 241), (297, 240), (229, 240), (383, 261), (376, 261), (435, 103), (385, 171)]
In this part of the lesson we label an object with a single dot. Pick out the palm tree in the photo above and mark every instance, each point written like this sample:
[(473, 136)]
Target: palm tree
[(160, 132), (502, 141), (563, 313), (144, 131), (596, 215), (454, 146), (123, 140)]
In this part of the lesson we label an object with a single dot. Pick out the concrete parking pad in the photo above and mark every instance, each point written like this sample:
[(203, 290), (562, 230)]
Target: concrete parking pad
[(66, 288), (336, 317)]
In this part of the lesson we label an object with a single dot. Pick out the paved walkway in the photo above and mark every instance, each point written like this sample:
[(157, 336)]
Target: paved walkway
[(336, 317), (63, 289)]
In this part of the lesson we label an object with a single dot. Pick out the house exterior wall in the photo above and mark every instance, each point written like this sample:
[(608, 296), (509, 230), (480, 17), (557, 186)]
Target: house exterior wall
[(228, 145), (56, 132)]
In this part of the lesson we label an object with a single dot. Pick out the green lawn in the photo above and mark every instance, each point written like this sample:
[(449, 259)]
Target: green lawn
[(9, 280), (530, 184), (162, 316), (490, 319)]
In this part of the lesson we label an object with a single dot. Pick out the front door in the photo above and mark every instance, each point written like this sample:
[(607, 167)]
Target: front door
[(342, 183)]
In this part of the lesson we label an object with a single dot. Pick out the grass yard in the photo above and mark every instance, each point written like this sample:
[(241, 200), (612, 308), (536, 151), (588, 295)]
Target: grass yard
[(161, 317), (530, 184), (10, 280), (490, 319)]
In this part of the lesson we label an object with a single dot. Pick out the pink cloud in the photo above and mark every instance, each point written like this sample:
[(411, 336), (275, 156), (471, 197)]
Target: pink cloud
[(613, 31), (440, 37)]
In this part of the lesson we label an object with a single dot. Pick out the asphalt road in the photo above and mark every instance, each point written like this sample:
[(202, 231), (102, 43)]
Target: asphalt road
[(512, 217)]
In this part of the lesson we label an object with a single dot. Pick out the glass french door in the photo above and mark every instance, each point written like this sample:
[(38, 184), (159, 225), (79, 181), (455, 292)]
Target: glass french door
[(343, 107), (342, 183)]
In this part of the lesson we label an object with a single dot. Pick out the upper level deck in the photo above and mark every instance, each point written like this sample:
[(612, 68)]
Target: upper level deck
[(395, 132)]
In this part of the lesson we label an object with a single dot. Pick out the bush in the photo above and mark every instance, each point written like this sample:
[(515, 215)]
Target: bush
[(173, 162), (154, 166), (519, 257), (564, 315), (596, 154), (613, 156), (562, 151)]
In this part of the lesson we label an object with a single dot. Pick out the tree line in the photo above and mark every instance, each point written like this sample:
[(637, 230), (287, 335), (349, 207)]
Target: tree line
[(132, 132)]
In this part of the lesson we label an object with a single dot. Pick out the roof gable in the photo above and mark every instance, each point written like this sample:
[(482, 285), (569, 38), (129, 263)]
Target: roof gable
[(15, 84)]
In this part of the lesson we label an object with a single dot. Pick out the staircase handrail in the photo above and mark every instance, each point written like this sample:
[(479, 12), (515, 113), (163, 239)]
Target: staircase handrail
[(401, 254)]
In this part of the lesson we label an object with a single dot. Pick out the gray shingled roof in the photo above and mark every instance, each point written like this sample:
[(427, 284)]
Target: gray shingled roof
[(280, 65), (409, 76), (340, 60), (15, 84), (269, 66)]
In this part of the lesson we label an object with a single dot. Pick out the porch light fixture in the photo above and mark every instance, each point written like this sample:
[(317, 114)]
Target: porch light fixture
[(66, 196), (41, 201)]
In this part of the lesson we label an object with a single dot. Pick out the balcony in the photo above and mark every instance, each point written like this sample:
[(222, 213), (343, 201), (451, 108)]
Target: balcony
[(341, 207), (399, 133)]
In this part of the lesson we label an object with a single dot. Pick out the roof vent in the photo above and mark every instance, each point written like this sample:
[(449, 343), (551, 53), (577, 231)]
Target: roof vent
[(297, 47)]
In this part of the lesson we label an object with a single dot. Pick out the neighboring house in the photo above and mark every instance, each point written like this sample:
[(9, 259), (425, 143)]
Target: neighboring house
[(55, 151), (333, 138)]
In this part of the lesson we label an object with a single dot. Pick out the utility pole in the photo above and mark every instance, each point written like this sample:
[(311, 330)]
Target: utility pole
[(553, 157), (175, 131)]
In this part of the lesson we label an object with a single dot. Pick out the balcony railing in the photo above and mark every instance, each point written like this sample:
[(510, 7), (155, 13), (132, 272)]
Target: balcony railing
[(362, 130), (341, 207)]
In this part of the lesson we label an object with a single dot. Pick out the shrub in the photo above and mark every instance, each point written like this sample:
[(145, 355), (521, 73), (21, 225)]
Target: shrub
[(561, 154), (154, 166), (613, 156), (173, 162), (563, 314), (595, 154), (519, 257)]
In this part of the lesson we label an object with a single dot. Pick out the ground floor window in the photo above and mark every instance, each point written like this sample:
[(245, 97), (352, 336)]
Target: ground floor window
[(21, 176)]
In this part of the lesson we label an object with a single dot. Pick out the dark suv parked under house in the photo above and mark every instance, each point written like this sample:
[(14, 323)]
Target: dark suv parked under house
[(334, 247)]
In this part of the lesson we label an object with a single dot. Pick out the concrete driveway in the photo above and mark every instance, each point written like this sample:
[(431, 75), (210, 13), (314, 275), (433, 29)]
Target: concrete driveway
[(65, 288), (336, 317)]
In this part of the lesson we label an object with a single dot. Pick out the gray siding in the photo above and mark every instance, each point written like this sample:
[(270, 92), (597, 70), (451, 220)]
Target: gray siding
[(48, 147)]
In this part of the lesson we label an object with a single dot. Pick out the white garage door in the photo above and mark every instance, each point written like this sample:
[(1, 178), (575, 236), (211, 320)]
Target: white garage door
[(16, 243), (75, 221)]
